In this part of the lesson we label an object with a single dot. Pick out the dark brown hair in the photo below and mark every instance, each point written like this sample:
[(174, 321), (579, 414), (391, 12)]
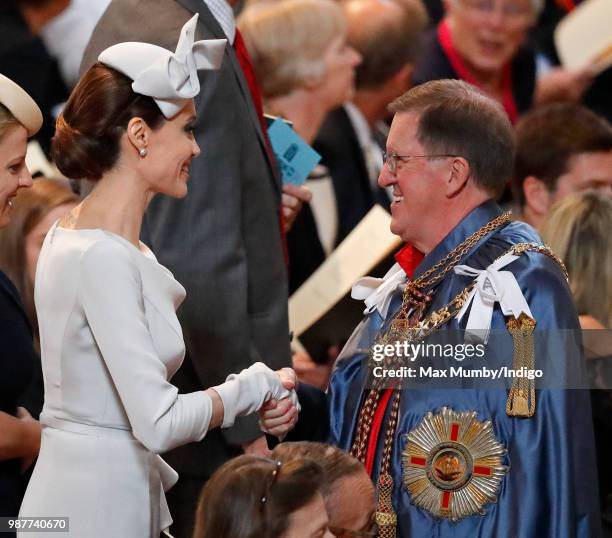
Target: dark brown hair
[(456, 118), (30, 207), (386, 44), (548, 137), (87, 135), (231, 502)]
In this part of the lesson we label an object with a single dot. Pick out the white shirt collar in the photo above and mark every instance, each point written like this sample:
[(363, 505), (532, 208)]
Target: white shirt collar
[(224, 14), (360, 125), (372, 152)]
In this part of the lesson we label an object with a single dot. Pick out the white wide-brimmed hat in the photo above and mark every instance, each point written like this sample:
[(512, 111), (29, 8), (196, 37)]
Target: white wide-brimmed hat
[(21, 105), (170, 78)]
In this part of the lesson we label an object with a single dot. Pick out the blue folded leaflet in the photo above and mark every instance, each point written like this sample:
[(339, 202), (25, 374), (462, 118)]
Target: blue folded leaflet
[(296, 158)]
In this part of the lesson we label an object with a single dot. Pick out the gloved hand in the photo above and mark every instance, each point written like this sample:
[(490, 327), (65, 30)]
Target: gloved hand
[(245, 393)]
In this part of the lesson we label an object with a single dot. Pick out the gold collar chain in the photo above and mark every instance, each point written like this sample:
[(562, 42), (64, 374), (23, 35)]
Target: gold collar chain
[(416, 299), (432, 276)]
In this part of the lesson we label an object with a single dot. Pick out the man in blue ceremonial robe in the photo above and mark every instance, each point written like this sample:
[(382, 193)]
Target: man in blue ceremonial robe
[(460, 456)]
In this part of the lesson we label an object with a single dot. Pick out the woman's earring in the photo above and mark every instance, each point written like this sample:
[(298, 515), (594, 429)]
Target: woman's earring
[(142, 152)]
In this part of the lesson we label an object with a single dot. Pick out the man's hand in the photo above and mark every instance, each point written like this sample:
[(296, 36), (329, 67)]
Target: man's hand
[(293, 198), (282, 420), (288, 378), (277, 417)]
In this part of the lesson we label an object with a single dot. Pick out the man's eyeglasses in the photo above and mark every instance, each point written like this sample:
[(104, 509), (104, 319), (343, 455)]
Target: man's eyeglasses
[(391, 159), (512, 10)]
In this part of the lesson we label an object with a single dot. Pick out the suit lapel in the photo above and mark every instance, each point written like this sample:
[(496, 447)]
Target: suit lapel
[(208, 20)]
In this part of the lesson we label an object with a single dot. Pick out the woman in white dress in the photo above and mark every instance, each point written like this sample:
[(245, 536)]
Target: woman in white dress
[(110, 339)]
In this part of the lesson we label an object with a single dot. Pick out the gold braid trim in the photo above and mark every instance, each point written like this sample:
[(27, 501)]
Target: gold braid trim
[(385, 515), (386, 518), (521, 398), (520, 248)]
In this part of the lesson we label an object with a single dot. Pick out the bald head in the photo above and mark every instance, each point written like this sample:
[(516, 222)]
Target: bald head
[(386, 33), (367, 16)]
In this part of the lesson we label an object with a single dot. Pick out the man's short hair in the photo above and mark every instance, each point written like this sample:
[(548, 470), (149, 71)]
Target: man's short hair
[(548, 137), (387, 44), (456, 118)]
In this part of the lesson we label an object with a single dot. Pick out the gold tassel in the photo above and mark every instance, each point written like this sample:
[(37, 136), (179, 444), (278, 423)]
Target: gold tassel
[(521, 398), (386, 518)]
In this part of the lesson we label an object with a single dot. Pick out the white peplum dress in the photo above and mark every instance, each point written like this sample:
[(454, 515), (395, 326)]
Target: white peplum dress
[(110, 342)]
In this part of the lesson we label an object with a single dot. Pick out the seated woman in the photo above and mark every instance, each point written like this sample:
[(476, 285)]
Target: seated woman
[(480, 41), (34, 212), (253, 497), (20, 118), (578, 230), (110, 338)]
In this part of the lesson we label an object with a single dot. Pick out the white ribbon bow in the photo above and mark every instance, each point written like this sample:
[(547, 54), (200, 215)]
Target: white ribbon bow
[(492, 285), (168, 77), (377, 293)]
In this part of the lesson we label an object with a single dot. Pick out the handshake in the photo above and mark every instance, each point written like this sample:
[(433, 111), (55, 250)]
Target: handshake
[(258, 388)]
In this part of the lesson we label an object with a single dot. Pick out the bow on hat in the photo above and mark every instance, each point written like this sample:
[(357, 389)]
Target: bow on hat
[(168, 77)]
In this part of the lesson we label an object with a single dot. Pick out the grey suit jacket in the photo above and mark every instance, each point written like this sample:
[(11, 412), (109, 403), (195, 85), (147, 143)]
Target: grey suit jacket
[(223, 241)]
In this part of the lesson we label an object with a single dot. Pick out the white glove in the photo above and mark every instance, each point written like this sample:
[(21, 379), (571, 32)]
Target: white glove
[(244, 393)]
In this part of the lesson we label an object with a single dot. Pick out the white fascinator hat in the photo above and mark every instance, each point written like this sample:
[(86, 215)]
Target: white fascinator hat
[(169, 78), (20, 105)]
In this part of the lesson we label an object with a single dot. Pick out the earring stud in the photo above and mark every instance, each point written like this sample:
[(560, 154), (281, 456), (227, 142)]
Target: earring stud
[(142, 152)]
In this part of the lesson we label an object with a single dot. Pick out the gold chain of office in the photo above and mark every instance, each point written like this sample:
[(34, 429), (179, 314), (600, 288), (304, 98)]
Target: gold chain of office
[(417, 331), (415, 299), (429, 277)]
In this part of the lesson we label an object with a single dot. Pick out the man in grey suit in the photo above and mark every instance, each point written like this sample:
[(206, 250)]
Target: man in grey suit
[(223, 241)]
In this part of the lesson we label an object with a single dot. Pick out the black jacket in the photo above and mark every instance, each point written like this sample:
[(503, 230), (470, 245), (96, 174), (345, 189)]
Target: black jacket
[(17, 363)]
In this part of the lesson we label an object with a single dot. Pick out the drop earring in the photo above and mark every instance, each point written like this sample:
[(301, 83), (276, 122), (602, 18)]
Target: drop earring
[(142, 152)]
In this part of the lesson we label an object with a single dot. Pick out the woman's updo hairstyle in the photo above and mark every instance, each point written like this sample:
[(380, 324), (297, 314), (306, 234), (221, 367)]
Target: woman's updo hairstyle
[(87, 135)]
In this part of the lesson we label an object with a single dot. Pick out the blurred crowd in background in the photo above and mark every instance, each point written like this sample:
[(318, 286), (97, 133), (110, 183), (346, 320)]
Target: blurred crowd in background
[(331, 68)]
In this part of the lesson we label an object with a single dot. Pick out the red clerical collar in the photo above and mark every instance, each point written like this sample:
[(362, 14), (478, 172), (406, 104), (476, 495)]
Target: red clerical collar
[(464, 73), (409, 258)]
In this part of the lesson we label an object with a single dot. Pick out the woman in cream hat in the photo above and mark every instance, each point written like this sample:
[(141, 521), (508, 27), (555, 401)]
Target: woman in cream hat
[(20, 118), (110, 338)]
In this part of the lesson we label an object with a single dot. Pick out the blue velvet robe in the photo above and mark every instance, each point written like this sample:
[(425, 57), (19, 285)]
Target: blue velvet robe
[(550, 489)]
